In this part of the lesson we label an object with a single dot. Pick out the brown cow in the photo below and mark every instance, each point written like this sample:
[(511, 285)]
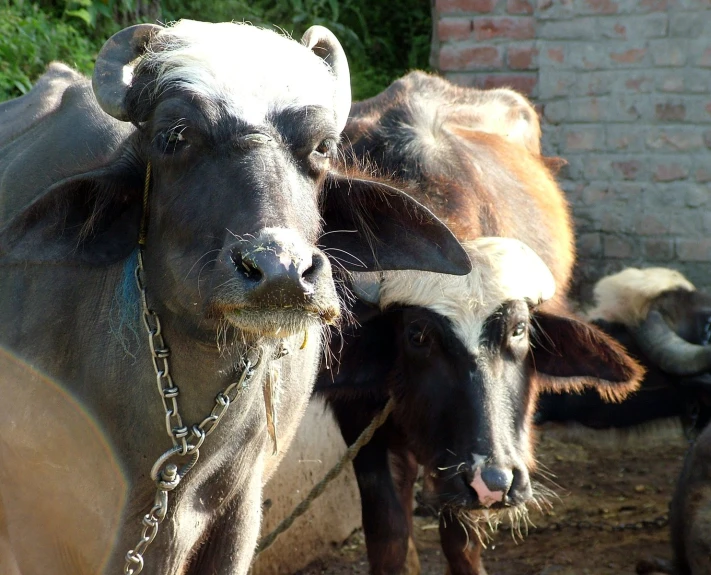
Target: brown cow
[(463, 357)]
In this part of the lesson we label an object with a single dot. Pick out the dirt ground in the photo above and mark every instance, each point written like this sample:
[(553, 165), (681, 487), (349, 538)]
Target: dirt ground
[(612, 511)]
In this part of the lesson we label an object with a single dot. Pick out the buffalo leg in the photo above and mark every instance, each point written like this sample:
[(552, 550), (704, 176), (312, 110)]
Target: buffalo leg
[(460, 546), (229, 546), (404, 468)]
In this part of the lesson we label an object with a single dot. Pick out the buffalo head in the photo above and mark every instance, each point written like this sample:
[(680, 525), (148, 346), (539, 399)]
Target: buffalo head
[(246, 201)]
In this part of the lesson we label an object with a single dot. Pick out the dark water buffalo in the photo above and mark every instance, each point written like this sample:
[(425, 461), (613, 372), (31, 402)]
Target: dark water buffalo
[(239, 126), (464, 358), (690, 513), (664, 322)]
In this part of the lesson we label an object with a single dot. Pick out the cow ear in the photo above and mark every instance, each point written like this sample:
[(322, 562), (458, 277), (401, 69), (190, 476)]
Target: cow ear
[(363, 358), (91, 218), (570, 354), (371, 225)]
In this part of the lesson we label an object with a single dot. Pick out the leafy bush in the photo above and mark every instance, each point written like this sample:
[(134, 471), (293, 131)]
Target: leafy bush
[(30, 39), (382, 39)]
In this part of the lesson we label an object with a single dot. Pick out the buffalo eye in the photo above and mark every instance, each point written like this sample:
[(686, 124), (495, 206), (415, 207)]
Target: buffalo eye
[(325, 148), (173, 140), (519, 330)]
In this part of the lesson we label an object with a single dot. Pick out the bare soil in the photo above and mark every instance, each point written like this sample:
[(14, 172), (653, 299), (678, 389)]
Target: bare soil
[(614, 494)]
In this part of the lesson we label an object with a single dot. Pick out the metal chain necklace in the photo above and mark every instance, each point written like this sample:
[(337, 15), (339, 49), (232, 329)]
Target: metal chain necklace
[(186, 442)]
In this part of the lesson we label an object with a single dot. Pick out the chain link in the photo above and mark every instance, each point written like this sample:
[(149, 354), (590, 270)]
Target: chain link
[(186, 441)]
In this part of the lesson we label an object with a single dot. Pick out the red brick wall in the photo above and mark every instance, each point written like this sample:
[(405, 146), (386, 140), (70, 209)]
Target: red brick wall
[(624, 88)]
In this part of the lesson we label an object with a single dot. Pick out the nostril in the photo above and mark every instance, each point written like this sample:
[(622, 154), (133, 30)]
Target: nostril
[(309, 275), (250, 270)]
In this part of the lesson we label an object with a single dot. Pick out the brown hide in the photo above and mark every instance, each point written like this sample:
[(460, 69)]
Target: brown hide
[(485, 175)]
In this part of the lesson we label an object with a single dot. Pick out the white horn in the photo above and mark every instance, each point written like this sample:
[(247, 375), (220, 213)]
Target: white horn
[(518, 272), (322, 42)]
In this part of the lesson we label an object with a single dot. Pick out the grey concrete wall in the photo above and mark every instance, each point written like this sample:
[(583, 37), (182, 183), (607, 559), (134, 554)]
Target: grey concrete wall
[(316, 447), (624, 89)]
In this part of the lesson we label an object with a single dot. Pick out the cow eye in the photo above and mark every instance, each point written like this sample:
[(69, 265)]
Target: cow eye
[(519, 329), (418, 335)]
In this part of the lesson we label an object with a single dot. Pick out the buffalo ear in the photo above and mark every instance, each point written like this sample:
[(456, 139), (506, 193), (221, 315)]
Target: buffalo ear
[(91, 218), (570, 354), (372, 225)]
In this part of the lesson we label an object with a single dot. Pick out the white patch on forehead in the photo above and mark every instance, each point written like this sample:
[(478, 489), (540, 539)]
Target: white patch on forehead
[(503, 269), (252, 70)]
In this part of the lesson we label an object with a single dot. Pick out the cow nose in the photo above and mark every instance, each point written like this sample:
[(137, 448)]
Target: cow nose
[(276, 275), (491, 484)]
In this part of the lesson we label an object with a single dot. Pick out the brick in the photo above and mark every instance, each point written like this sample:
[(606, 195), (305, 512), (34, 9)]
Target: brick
[(697, 81), (705, 59), (674, 139), (670, 171), (651, 224), (583, 138), (511, 28), (693, 250), (578, 29), (587, 109), (555, 9), (524, 83), (626, 138), (599, 7), (454, 29), (555, 84), (634, 27), (556, 112), (629, 108), (519, 7), (672, 82), (589, 244), (668, 52), (696, 196), (618, 247), (706, 222), (479, 6), (685, 25), (639, 82), (630, 56), (628, 169), (596, 193), (658, 249), (593, 83), (556, 54), (467, 57), (614, 219), (661, 197), (670, 111), (706, 137), (523, 57), (702, 175), (686, 223), (655, 5), (586, 56)]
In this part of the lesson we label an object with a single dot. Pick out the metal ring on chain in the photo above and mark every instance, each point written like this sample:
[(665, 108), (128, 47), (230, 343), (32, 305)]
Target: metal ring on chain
[(193, 452)]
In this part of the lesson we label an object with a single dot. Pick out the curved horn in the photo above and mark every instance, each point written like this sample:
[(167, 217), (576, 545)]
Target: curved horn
[(322, 42), (113, 71), (666, 349), (517, 271)]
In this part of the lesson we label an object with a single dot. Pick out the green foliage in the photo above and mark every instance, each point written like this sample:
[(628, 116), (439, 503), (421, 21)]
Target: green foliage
[(30, 39), (383, 40)]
